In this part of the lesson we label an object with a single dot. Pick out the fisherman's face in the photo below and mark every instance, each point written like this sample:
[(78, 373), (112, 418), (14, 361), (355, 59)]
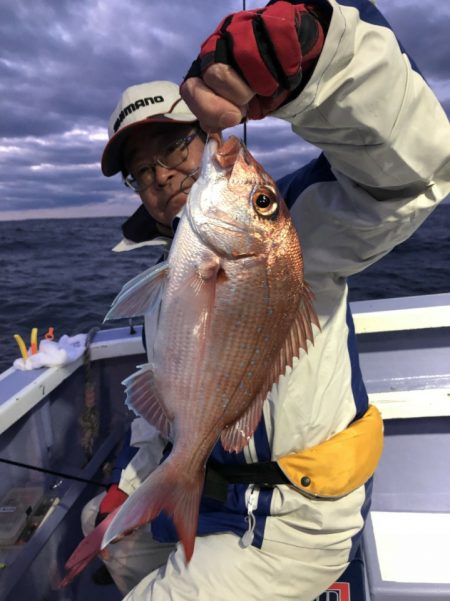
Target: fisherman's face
[(165, 191)]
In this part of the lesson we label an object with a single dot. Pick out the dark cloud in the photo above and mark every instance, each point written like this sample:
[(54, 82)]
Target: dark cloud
[(423, 31), (63, 65)]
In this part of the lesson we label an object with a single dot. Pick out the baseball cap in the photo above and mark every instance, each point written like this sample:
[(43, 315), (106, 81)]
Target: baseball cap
[(157, 101)]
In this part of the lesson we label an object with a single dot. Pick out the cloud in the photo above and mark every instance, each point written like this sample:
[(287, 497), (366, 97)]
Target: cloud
[(423, 31), (63, 65)]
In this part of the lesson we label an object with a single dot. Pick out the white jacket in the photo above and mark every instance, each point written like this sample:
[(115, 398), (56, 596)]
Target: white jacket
[(385, 166)]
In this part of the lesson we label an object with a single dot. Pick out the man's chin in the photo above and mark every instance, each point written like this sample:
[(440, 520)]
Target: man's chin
[(175, 204)]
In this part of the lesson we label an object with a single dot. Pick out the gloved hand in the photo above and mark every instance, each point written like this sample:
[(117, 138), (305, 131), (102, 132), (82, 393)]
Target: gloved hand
[(253, 62), (113, 499)]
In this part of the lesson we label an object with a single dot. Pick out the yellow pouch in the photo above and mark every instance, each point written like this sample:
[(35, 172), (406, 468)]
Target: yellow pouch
[(342, 463)]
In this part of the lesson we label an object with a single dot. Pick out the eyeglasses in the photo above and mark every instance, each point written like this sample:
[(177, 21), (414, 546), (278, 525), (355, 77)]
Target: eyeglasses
[(170, 158)]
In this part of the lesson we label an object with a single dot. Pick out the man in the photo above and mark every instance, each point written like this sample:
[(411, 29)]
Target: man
[(151, 120), (335, 71)]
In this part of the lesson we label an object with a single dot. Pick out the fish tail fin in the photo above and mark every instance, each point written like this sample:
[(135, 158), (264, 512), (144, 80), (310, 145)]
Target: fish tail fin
[(168, 489), (85, 552), (185, 512)]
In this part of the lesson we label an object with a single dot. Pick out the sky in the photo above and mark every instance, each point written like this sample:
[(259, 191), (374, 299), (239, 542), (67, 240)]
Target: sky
[(64, 64)]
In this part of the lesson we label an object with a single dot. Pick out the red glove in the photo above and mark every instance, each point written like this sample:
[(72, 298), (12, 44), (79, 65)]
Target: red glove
[(113, 498), (272, 49)]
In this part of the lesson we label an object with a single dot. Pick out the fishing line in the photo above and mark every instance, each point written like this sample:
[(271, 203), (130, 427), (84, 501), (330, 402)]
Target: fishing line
[(52, 472), (245, 120)]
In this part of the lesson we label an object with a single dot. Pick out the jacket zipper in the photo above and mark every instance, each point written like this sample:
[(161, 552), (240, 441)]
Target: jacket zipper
[(251, 499)]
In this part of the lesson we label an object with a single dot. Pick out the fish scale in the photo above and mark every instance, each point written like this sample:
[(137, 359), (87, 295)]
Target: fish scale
[(220, 361)]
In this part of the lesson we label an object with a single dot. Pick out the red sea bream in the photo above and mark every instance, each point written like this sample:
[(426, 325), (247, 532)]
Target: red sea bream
[(231, 310)]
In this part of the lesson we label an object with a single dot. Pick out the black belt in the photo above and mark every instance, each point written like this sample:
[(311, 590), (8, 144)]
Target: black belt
[(219, 476)]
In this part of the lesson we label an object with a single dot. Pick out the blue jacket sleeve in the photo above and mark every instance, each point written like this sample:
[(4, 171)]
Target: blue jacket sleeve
[(123, 459)]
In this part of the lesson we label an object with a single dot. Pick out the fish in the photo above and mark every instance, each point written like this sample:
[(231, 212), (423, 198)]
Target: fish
[(86, 551), (230, 310)]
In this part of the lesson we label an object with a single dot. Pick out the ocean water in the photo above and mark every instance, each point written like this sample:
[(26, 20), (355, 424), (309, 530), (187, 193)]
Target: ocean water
[(62, 273)]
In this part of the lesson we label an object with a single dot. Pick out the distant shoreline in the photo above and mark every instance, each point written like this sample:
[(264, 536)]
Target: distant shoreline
[(94, 211), (60, 218), (47, 214)]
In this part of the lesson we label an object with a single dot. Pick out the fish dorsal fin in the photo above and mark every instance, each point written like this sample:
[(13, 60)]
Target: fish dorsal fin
[(236, 436), (300, 332), (142, 398), (140, 295)]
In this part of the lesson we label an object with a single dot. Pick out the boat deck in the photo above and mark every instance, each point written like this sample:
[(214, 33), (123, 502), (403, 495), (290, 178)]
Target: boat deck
[(404, 348)]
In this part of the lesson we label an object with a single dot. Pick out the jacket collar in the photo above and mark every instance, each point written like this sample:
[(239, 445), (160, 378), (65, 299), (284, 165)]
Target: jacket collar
[(142, 230)]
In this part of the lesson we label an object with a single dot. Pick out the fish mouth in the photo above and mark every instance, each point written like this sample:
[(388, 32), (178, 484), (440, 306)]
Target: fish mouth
[(217, 228), (208, 163)]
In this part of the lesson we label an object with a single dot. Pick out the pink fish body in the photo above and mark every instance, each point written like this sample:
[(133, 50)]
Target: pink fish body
[(231, 311)]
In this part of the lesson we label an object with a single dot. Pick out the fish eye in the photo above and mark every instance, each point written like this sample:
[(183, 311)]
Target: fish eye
[(265, 202)]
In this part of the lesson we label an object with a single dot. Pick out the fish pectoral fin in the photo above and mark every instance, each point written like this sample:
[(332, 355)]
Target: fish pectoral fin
[(143, 399), (140, 295), (203, 279), (236, 437)]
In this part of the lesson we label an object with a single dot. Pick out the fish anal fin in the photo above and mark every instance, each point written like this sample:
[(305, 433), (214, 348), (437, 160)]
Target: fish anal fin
[(167, 489), (140, 295), (142, 398)]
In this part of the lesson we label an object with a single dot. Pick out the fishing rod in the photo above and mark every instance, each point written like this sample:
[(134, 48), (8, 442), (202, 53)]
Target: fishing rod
[(52, 472)]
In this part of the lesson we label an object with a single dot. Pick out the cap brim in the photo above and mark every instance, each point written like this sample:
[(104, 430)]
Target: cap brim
[(112, 154)]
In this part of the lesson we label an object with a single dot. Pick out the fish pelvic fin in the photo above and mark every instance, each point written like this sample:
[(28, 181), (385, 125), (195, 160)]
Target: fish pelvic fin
[(169, 489), (140, 295), (142, 398), (86, 551)]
